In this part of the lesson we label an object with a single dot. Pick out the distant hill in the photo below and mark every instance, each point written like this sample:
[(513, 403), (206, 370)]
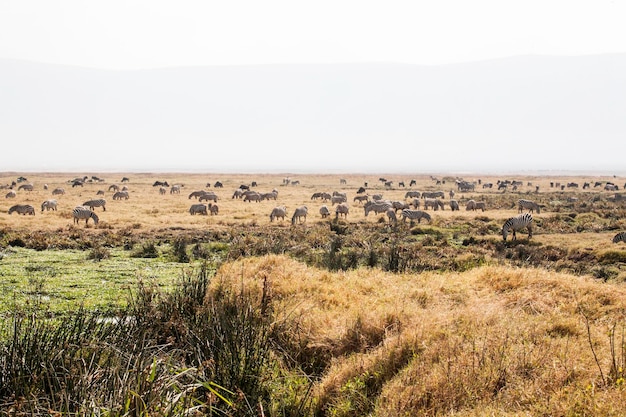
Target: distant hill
[(520, 113)]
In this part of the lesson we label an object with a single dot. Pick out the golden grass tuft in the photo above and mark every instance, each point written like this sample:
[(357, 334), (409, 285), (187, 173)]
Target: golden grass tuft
[(510, 340)]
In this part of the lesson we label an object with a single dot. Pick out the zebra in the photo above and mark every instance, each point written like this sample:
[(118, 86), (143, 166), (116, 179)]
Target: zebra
[(175, 189), (433, 194), (470, 205), (620, 237), (101, 202), (27, 187), (454, 205), (299, 213), (269, 196), (377, 207), (277, 212), (120, 194), (162, 191), (528, 205), (324, 212), (198, 209), (58, 191), (415, 215), (412, 194), (208, 196), (436, 204), (251, 196), (522, 221), (11, 194), (100, 192), (391, 215), (23, 209), (84, 213), (114, 187), (338, 199), (213, 209), (49, 205), (400, 205), (361, 198), (342, 208), (196, 194)]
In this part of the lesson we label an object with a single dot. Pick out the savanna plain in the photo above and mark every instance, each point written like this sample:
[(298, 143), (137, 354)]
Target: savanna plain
[(155, 311)]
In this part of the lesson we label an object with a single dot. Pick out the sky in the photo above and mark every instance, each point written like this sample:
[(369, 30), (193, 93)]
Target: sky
[(136, 35)]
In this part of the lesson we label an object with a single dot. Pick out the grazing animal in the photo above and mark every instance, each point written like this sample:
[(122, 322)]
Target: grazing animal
[(470, 205), (278, 212), (361, 190), (121, 194), (454, 205), (361, 198), (58, 191), (436, 204), (213, 209), (45, 186), (23, 209), (338, 199), (412, 194), (342, 209), (376, 207), (208, 196), (11, 194), (196, 194), (175, 189), (100, 192), (101, 202), (400, 205), (162, 190), (620, 237), (77, 183), (238, 193), (84, 213), (26, 187), (114, 187), (218, 184), (391, 215), (515, 224), (298, 214), (528, 205), (49, 205), (198, 209), (125, 179), (160, 184), (252, 196), (324, 211), (415, 215)]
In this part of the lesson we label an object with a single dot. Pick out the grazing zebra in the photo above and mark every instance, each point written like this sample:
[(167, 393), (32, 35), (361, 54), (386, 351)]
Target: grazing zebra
[(299, 213), (377, 207), (26, 187), (58, 191), (238, 193), (415, 215), (436, 204), (114, 187), (11, 194), (213, 209), (100, 202), (100, 192), (125, 179), (361, 198), (433, 194), (175, 189), (391, 215), (84, 213), (277, 212), (251, 196), (324, 212), (528, 205), (45, 187), (520, 222), (620, 237), (198, 209), (470, 205), (49, 205), (269, 196), (162, 191), (121, 194), (400, 205), (208, 196), (160, 184), (416, 203), (480, 205), (196, 194), (342, 208), (23, 209), (338, 199), (454, 205), (412, 194)]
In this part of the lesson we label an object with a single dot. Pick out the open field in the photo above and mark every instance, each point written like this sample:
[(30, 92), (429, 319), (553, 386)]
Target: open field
[(329, 317)]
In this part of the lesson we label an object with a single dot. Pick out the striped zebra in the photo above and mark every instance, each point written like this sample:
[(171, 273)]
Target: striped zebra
[(528, 205), (198, 209), (208, 196), (23, 209), (520, 222), (415, 215), (100, 202), (454, 205), (377, 207), (324, 211), (49, 205), (620, 237), (412, 194), (278, 212), (26, 187), (11, 194), (298, 214), (391, 215), (436, 204), (120, 194), (84, 213), (475, 205), (58, 191), (342, 209), (175, 189), (213, 209)]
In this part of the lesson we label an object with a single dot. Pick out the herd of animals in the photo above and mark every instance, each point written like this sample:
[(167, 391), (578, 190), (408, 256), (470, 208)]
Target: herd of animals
[(410, 208)]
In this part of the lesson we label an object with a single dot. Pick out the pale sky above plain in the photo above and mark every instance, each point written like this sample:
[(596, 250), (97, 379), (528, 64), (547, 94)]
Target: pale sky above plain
[(150, 34), (123, 34)]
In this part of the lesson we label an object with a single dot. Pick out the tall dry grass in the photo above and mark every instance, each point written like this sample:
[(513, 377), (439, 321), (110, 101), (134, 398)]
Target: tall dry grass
[(490, 341)]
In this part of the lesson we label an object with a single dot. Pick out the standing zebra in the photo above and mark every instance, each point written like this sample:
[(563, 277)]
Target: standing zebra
[(84, 213), (528, 205), (520, 222), (324, 211), (415, 215), (23, 209), (278, 212), (100, 202), (49, 205), (298, 214), (198, 209), (620, 237), (377, 207), (342, 209)]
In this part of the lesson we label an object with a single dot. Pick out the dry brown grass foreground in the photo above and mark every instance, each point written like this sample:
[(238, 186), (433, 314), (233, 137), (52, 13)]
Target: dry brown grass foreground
[(490, 341)]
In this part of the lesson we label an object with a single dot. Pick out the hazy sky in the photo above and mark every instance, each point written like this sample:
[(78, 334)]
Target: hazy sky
[(127, 34), (147, 34)]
